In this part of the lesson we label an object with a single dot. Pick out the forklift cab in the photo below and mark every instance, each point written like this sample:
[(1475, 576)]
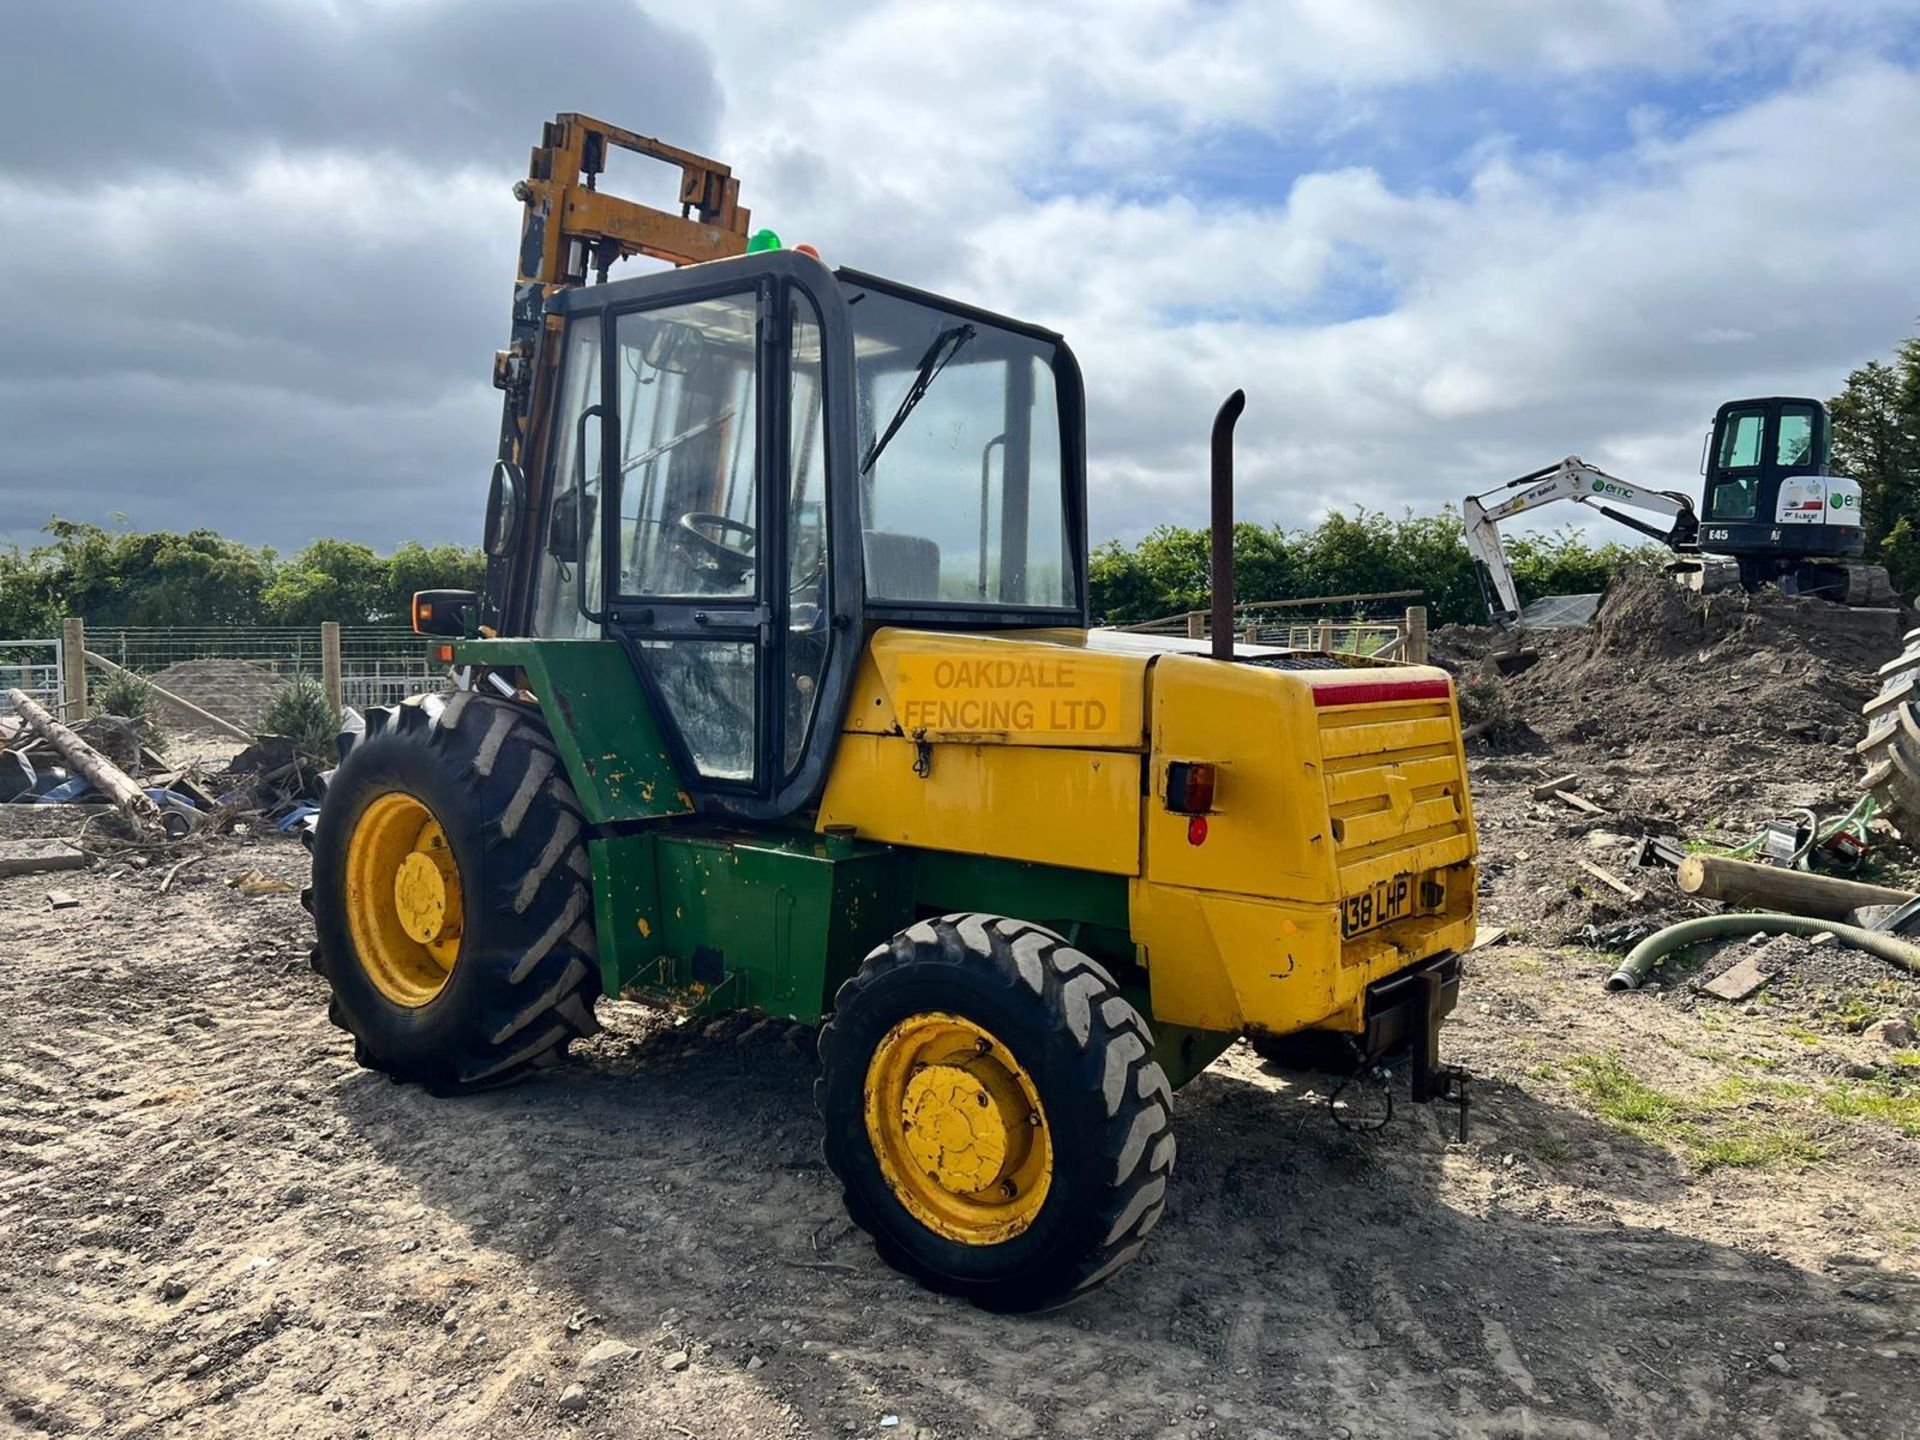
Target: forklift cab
[(1768, 492), (752, 463)]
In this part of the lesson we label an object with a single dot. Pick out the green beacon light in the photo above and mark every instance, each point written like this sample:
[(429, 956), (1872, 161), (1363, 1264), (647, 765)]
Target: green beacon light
[(763, 240)]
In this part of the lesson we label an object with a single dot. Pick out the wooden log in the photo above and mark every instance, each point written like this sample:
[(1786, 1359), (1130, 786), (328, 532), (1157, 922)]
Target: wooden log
[(225, 727), (1770, 887), (101, 773)]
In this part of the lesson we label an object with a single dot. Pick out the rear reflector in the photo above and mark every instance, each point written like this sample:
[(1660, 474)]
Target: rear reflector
[(1380, 692)]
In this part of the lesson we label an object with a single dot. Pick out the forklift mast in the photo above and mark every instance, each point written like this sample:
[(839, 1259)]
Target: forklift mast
[(571, 228)]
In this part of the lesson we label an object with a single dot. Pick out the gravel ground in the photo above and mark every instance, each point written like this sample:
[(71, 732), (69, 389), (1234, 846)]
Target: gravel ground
[(1673, 1216), (217, 1225)]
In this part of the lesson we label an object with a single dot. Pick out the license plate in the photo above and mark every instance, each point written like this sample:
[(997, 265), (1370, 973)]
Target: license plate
[(1387, 901)]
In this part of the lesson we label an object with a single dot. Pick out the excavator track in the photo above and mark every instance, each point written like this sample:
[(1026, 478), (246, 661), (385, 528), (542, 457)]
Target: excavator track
[(1858, 585)]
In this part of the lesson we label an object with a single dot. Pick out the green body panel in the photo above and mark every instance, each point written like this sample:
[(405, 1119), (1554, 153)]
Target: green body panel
[(1042, 893), (714, 918), (616, 758), (1182, 1051), (723, 919)]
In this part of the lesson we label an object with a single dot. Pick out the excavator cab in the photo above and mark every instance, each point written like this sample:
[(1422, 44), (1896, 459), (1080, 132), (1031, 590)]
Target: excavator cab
[(1768, 500)]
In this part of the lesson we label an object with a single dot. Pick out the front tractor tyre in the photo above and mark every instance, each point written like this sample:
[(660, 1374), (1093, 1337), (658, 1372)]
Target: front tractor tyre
[(450, 895), (994, 1111)]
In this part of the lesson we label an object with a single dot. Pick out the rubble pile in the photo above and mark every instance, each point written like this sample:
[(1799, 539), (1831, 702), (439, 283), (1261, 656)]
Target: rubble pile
[(1675, 725), (269, 782)]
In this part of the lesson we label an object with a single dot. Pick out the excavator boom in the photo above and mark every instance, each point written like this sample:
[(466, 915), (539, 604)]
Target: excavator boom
[(1572, 479)]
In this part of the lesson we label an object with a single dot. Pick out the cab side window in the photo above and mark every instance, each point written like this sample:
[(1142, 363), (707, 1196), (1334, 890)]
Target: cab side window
[(1794, 446), (689, 393), (1740, 446), (1732, 496), (567, 598)]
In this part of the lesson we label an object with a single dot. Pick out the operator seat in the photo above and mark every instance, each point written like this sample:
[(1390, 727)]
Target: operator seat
[(902, 567)]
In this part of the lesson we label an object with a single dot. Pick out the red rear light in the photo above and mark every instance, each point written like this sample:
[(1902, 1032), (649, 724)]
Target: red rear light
[(1197, 830), (1190, 787)]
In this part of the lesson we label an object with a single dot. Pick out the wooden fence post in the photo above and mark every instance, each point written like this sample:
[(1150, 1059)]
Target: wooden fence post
[(1323, 641), (1196, 625), (73, 669), (330, 662), (1416, 646)]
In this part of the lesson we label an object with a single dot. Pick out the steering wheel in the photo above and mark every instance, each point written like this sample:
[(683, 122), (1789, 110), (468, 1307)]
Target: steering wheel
[(733, 564)]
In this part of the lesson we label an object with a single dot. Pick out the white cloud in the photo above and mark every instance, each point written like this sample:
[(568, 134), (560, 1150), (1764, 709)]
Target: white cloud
[(260, 294), (1550, 303)]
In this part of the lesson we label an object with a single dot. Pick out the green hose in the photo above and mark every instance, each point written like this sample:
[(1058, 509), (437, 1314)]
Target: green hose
[(1650, 951)]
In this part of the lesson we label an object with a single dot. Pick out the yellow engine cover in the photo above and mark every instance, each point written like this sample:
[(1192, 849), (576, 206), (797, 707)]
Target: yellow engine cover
[(1339, 848)]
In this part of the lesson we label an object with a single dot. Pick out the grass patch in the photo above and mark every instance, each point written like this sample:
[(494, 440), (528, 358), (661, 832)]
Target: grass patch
[(1620, 1097), (1757, 1151), (1875, 1100), (1728, 1124)]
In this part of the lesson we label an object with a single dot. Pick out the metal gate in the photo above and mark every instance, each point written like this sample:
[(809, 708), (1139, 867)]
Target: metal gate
[(32, 666)]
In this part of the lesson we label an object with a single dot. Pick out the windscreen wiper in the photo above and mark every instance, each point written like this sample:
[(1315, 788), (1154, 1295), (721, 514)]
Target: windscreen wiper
[(945, 346)]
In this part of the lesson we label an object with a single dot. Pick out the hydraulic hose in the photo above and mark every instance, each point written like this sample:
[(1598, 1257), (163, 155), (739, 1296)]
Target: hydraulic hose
[(1649, 952)]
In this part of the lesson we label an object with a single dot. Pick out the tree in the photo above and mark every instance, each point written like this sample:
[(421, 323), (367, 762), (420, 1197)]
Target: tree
[(159, 577), (1876, 439), (330, 580), (416, 567), (1348, 553)]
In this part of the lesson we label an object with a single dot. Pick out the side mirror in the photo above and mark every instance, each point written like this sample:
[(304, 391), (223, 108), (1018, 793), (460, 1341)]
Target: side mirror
[(674, 347), (446, 612), (563, 528), (506, 497)]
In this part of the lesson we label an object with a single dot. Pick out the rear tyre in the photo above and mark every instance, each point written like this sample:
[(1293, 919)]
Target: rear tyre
[(450, 895), (994, 1111), (1892, 747)]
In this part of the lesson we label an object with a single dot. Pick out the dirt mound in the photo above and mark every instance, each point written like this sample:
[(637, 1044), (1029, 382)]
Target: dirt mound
[(1733, 676), (1645, 614), (1694, 717), (235, 690)]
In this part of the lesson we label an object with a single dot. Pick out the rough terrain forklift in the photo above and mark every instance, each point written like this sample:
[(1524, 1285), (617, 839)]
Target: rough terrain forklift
[(782, 696)]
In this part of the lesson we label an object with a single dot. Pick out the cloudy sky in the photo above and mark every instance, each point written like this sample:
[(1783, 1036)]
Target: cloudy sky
[(262, 249)]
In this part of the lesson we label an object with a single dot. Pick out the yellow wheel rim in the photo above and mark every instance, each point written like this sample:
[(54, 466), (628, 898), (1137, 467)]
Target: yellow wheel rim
[(404, 907), (958, 1129)]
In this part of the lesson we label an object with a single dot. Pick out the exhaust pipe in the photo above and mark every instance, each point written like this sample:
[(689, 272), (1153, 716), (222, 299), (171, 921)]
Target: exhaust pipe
[(1222, 548)]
